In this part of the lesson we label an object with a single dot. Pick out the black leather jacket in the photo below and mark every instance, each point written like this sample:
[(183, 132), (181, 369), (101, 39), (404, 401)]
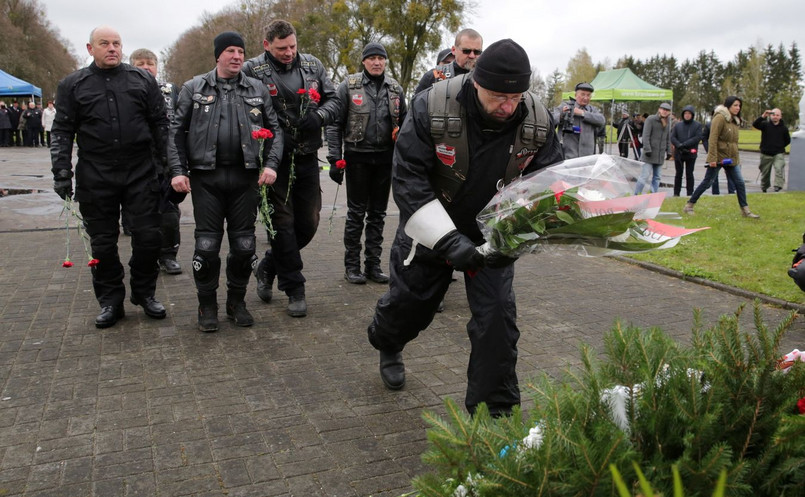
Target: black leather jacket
[(283, 83), (375, 104), (109, 132), (194, 131)]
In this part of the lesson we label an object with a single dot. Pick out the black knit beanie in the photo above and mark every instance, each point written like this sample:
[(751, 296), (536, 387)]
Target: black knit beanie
[(374, 48), (225, 40), (503, 67)]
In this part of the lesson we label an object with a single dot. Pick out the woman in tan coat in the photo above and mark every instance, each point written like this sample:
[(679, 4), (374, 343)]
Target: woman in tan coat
[(723, 153)]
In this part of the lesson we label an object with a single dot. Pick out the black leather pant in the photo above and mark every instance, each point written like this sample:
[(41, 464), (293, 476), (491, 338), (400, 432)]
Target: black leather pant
[(102, 189), (368, 187), (224, 194)]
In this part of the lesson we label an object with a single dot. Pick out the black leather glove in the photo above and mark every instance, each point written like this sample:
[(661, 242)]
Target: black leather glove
[(460, 252), (497, 260), (311, 122), (63, 184), (63, 188), (336, 174)]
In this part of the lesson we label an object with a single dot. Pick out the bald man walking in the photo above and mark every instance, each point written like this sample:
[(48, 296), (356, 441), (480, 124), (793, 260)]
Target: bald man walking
[(117, 114)]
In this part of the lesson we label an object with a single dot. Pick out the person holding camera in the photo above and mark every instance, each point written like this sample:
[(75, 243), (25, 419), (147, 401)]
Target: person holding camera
[(774, 137), (579, 123)]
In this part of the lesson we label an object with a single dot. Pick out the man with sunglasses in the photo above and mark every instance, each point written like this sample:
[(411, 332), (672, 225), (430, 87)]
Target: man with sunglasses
[(438, 231), (468, 47)]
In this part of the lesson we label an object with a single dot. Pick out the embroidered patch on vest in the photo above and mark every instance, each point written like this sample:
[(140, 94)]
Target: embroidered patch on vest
[(357, 99), (446, 154)]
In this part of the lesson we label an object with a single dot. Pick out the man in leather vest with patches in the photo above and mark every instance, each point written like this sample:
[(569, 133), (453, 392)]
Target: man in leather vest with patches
[(494, 108), (372, 109), (467, 48), (296, 196)]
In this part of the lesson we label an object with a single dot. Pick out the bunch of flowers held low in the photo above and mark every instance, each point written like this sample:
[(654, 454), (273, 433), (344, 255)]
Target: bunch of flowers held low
[(69, 211), (266, 209), (584, 204)]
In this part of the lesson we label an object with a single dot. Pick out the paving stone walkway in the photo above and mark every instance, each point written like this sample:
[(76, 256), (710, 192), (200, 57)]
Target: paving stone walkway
[(289, 407)]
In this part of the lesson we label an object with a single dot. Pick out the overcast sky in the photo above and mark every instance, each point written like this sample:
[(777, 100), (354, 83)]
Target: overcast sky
[(551, 32)]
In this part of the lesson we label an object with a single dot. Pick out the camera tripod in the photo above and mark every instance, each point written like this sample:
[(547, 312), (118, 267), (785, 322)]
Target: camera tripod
[(632, 140)]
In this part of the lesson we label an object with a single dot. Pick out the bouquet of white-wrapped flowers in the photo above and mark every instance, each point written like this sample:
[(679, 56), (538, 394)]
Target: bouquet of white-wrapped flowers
[(585, 204)]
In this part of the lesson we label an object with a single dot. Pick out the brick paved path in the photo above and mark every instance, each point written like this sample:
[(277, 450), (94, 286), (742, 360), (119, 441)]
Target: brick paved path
[(287, 407)]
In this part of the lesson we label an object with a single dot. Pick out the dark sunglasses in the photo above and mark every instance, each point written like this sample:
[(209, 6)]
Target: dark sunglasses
[(467, 51)]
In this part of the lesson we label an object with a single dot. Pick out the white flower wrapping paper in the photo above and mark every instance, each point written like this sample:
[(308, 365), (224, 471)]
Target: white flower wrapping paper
[(584, 204)]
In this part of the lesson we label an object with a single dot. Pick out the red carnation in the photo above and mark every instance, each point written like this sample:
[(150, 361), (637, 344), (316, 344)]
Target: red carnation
[(262, 134), (66, 264), (301, 91), (801, 405), (341, 164), (93, 262), (314, 95)]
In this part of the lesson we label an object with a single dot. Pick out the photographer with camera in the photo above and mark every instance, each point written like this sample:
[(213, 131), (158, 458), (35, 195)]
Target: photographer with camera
[(579, 123)]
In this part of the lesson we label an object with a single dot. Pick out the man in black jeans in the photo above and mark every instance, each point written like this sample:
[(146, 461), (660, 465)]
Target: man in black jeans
[(294, 81), (372, 108)]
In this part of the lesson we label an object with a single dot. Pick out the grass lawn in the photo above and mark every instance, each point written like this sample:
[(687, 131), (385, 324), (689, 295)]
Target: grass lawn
[(753, 254)]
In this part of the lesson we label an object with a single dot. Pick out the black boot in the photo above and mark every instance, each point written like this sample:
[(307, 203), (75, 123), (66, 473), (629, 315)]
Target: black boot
[(170, 265), (152, 307), (236, 308), (110, 314), (265, 280), (392, 370), (297, 306), (207, 313), (354, 276), (374, 273)]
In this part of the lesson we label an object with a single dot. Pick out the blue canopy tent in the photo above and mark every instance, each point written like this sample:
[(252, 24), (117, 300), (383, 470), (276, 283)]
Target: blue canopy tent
[(13, 87)]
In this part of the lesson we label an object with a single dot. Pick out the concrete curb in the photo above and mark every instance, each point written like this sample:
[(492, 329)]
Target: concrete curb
[(784, 304)]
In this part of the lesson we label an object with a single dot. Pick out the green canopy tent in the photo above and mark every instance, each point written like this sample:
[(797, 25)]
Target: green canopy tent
[(622, 85)]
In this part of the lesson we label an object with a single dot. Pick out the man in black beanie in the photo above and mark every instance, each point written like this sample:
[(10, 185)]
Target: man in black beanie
[(462, 138), (212, 150), (372, 109)]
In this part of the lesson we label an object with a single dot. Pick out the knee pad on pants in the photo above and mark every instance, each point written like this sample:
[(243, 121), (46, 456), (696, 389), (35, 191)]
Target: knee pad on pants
[(206, 269), (207, 262), (242, 243)]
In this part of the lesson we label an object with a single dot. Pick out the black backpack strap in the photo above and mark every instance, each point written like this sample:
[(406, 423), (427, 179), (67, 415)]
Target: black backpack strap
[(448, 130)]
